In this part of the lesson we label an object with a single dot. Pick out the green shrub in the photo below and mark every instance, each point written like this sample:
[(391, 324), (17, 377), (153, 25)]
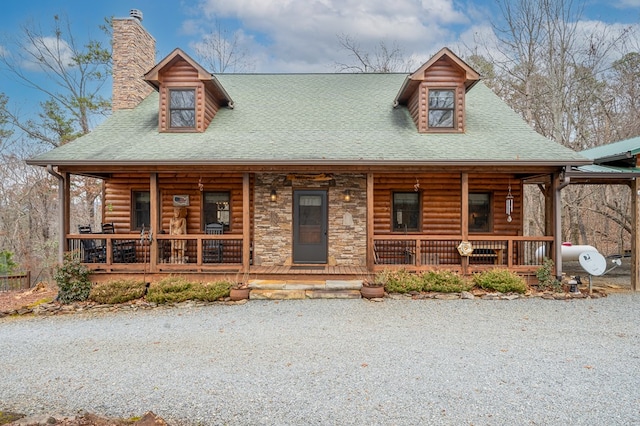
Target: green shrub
[(444, 282), (500, 280), (546, 279), (117, 291), (72, 278), (7, 265), (177, 289), (401, 281), (210, 292)]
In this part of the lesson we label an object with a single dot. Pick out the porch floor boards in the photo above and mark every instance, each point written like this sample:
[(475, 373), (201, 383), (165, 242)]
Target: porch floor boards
[(318, 271)]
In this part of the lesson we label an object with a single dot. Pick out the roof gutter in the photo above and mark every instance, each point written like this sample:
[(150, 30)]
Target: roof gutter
[(320, 162), (626, 158), (405, 83)]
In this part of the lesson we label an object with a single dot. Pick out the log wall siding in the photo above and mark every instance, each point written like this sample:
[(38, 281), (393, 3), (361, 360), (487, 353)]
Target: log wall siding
[(415, 106), (182, 74), (498, 185), (441, 201), (118, 192), (442, 75)]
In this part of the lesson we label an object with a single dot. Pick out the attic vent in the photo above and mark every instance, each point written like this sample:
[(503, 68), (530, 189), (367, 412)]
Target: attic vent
[(135, 13)]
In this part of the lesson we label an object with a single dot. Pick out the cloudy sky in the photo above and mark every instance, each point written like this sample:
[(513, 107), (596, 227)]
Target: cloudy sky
[(293, 35)]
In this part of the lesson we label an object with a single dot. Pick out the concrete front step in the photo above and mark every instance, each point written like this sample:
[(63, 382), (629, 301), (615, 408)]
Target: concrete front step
[(304, 289)]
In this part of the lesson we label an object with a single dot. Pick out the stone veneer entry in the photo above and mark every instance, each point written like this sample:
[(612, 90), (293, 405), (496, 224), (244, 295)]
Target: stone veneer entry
[(273, 221)]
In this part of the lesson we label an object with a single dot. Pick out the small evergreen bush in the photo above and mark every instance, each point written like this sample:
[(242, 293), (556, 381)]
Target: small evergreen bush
[(177, 289), (72, 278), (500, 280), (402, 281), (117, 291), (546, 279), (7, 265), (444, 282)]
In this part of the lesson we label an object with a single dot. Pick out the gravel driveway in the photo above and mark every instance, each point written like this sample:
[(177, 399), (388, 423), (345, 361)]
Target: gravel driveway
[(335, 362)]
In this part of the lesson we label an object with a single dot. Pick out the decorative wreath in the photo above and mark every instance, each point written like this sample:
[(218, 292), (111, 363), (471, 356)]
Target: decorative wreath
[(465, 248)]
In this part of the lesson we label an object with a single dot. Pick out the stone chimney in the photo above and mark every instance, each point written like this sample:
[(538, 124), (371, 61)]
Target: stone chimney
[(133, 54)]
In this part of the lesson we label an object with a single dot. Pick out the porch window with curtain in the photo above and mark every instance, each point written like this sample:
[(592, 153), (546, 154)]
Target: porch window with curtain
[(141, 214), (406, 212), (480, 212), (216, 209)]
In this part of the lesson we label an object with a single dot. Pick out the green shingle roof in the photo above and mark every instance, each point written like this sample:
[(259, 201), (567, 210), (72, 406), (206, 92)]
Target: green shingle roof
[(315, 118)]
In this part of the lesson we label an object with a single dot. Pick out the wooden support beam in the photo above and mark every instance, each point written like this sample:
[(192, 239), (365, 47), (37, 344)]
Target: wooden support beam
[(154, 218), (370, 214), (635, 234), (464, 217), (246, 223), (557, 224)]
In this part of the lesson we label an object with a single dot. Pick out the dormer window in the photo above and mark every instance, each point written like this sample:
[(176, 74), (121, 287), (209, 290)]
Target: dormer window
[(441, 109), (190, 96), (434, 95), (182, 108)]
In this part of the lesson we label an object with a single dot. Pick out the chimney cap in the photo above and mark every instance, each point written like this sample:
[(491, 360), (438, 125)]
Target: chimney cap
[(136, 13)]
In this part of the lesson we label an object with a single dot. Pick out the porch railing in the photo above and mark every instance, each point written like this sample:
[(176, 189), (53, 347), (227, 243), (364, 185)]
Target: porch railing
[(122, 249), (512, 252), (15, 281)]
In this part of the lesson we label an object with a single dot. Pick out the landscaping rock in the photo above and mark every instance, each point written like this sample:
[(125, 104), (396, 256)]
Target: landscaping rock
[(467, 295)]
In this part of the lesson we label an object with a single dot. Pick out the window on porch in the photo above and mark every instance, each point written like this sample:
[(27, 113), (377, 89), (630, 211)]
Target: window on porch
[(406, 212), (141, 214), (216, 209), (480, 217)]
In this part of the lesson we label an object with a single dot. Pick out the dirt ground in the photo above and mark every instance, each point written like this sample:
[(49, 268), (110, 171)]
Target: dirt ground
[(16, 299)]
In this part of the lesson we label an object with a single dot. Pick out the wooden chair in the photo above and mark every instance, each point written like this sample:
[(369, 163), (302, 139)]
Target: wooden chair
[(108, 228), (91, 252), (212, 250)]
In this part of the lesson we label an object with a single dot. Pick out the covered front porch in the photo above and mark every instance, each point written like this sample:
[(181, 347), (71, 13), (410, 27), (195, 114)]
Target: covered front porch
[(358, 219)]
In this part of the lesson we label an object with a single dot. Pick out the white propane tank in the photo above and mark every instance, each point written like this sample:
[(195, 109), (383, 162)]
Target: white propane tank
[(569, 252)]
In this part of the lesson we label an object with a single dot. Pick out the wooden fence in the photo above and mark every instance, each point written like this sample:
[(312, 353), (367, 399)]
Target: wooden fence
[(15, 282)]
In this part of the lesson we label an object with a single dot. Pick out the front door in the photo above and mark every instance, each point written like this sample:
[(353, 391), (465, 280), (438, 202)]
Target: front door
[(310, 227)]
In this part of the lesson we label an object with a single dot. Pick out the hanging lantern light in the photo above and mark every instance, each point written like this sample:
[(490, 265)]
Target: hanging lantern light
[(509, 204)]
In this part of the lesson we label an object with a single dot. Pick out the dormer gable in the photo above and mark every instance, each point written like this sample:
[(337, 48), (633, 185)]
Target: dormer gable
[(190, 96), (435, 93)]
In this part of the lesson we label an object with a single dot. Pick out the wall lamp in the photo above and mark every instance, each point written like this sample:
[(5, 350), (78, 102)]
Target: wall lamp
[(274, 195), (347, 195)]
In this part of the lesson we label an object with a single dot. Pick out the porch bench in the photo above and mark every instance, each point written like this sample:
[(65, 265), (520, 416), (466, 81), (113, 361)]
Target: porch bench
[(484, 255)]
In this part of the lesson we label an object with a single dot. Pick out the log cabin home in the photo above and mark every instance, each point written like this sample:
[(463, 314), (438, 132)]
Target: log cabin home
[(307, 176)]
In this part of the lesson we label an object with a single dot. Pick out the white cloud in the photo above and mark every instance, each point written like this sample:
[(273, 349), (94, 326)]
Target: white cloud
[(50, 50), (303, 34), (627, 4)]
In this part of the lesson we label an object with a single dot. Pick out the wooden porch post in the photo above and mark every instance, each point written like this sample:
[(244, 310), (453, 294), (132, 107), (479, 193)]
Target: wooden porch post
[(635, 234), (557, 224), (65, 215), (154, 218), (464, 219), (64, 207), (246, 224), (370, 242)]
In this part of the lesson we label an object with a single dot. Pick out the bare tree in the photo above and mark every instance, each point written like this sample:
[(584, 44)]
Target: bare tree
[(557, 74), (75, 76), (384, 58), (222, 51)]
